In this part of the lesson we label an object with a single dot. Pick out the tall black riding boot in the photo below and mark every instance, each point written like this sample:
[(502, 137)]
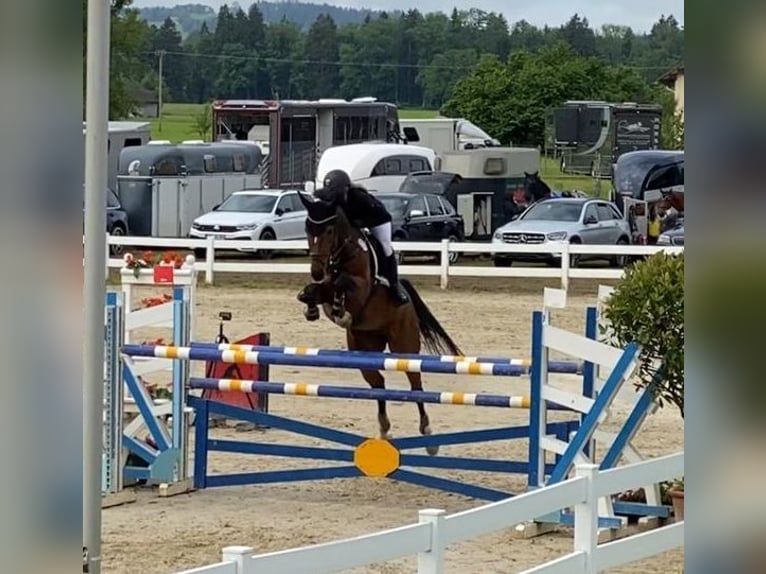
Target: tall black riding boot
[(392, 274)]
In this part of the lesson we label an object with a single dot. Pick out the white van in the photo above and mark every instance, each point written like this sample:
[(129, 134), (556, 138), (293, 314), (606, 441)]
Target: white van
[(378, 167), (445, 134)]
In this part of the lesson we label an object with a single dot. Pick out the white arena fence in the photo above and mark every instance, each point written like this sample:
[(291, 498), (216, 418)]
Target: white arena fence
[(435, 530), (444, 270)]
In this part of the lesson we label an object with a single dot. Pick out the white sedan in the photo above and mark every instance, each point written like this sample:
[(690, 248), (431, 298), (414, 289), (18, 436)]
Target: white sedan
[(263, 214)]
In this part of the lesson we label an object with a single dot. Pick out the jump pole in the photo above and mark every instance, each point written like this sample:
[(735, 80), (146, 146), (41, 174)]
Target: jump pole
[(332, 361), (563, 367), (344, 392)]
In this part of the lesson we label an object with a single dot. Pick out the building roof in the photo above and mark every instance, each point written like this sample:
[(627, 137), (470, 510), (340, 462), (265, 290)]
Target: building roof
[(669, 78)]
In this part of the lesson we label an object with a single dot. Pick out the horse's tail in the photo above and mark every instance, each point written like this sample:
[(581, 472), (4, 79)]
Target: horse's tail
[(436, 340)]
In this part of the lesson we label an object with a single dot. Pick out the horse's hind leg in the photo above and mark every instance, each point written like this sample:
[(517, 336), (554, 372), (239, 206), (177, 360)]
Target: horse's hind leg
[(364, 341), (416, 384), (405, 338)]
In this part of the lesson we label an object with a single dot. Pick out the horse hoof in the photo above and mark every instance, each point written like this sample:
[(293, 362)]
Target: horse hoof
[(432, 450), (311, 314)]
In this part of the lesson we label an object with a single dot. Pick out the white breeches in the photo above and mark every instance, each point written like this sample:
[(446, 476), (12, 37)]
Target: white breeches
[(383, 234)]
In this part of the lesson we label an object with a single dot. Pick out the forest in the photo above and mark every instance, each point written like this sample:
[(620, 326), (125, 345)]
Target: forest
[(457, 62)]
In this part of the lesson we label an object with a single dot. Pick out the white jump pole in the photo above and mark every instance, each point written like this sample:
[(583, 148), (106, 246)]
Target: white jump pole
[(94, 288)]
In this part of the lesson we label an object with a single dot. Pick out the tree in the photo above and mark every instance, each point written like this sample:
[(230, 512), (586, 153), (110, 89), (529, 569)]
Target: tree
[(647, 307), (321, 77), (203, 122), (283, 46), (511, 101), (167, 39), (578, 34)]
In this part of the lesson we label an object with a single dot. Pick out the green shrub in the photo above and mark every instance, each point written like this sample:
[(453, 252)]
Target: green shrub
[(647, 307)]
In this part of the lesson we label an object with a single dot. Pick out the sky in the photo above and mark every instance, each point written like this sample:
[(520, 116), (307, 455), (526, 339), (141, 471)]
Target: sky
[(638, 14)]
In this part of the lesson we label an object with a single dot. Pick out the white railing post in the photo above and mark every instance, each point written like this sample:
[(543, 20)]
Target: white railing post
[(565, 256), (106, 271), (586, 517), (444, 263), (432, 562), (238, 555), (209, 259)]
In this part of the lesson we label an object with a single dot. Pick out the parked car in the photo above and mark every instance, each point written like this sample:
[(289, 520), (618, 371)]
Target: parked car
[(576, 220), (423, 217), (673, 236), (263, 214), (116, 221)]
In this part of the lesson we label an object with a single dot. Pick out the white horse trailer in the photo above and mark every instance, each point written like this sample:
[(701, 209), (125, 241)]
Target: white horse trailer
[(120, 136), (379, 167)]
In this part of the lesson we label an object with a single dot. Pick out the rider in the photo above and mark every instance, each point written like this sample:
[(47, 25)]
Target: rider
[(365, 210)]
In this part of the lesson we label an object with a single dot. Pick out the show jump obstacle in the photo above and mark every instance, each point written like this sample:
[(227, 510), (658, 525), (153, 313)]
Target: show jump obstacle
[(126, 397), (553, 449)]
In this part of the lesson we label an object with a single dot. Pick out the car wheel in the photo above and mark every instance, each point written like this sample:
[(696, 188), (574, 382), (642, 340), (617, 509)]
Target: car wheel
[(502, 262), (574, 260), (621, 260), (267, 235), (117, 250)]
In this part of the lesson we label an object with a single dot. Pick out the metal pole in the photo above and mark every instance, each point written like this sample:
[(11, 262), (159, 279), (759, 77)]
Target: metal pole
[(160, 54), (94, 287)]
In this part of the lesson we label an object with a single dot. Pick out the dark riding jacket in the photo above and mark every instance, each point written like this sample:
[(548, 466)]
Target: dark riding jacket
[(364, 209)]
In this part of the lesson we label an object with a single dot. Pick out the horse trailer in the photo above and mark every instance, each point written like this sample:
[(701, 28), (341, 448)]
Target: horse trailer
[(119, 136), (297, 132), (479, 183), (164, 187), (378, 167), (591, 135), (641, 179)]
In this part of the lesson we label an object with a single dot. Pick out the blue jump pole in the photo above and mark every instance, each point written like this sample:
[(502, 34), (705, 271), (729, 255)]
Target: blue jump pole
[(564, 367), (338, 362), (342, 392)]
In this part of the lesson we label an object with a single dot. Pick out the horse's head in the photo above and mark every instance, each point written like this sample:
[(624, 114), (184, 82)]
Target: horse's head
[(534, 187), (326, 230), (672, 198)]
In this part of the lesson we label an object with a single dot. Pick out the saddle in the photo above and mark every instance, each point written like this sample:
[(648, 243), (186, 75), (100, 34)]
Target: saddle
[(375, 255)]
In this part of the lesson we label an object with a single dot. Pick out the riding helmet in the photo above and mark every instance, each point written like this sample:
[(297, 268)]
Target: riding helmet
[(336, 185)]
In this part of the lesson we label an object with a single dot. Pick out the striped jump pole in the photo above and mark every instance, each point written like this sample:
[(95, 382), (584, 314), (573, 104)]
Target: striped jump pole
[(563, 367), (342, 392), (330, 361)]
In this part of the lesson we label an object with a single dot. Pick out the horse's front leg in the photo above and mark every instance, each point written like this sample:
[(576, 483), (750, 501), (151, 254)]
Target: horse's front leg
[(309, 297), (342, 285)]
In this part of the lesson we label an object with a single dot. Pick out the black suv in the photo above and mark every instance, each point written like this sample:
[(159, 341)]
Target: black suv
[(423, 217)]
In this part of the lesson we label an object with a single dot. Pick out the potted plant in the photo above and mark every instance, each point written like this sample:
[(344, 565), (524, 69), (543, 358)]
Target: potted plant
[(676, 494), (647, 307)]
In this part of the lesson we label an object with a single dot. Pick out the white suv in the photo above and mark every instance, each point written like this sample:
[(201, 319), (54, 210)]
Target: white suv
[(263, 214)]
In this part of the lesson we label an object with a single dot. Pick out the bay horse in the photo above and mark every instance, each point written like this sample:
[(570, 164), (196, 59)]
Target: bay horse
[(672, 198), (353, 296)]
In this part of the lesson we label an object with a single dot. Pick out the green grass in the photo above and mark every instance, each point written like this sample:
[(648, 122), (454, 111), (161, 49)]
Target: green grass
[(417, 114), (178, 125)]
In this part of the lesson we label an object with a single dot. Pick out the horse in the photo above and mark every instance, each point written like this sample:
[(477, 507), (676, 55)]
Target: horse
[(352, 295), (535, 188), (672, 198)]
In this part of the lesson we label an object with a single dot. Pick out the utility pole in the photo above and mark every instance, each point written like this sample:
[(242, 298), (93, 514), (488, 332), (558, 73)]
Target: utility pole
[(94, 288), (161, 55)]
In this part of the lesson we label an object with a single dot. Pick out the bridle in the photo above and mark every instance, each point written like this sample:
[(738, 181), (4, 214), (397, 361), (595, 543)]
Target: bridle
[(336, 257)]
